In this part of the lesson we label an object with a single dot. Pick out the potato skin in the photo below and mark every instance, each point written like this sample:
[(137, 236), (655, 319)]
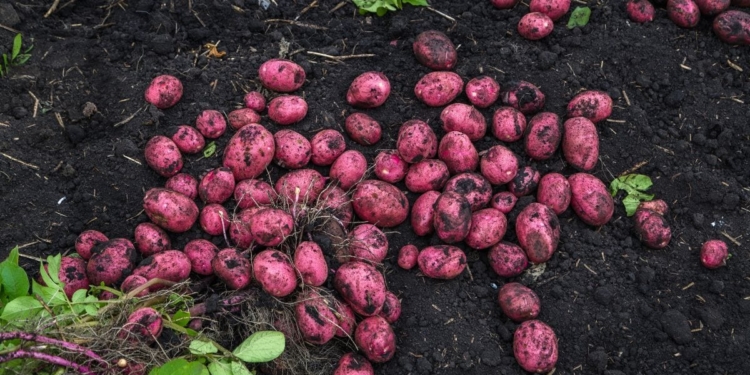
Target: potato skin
[(251, 193), (407, 257), (143, 325), (473, 186), (508, 124), (201, 253), (163, 156), (425, 175), (553, 191), (594, 105), (87, 240), (336, 202), (380, 203), (543, 136), (311, 264), (538, 232), (211, 124), (375, 338), (216, 186), (452, 219), (487, 228), (554, 9), (232, 268), (72, 274), (684, 13), (314, 318), (367, 243), (353, 364), (504, 201), (183, 183), (271, 226), (443, 262), (651, 228), (131, 283), (281, 75), (309, 182), (249, 152), (164, 91), (111, 262), (437, 89), (518, 302), (458, 153), (172, 265), (525, 182), (590, 199), (348, 169), (346, 319), (255, 101), (416, 141), (523, 96), (188, 139), (435, 50), (239, 227), (465, 119), (327, 145), (150, 239), (214, 219), (535, 346), (507, 259), (391, 308), (369, 90), (288, 109), (275, 273), (535, 26), (657, 205), (293, 150), (714, 254), (170, 210), (580, 144), (640, 11), (423, 213), (499, 165), (362, 286), (241, 117), (733, 27), (482, 91), (390, 167), (363, 129)]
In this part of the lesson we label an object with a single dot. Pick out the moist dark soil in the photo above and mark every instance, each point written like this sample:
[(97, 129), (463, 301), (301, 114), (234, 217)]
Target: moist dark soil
[(617, 307)]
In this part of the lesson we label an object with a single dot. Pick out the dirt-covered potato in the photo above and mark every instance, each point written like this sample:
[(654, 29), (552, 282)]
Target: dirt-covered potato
[(554, 9), (143, 325), (651, 228), (390, 167), (437, 89), (452, 218), (684, 13), (553, 191), (594, 105), (241, 117), (487, 228), (288, 109), (416, 141), (170, 210), (363, 129), (523, 96), (293, 150), (465, 119), (87, 240), (281, 75), (580, 143), (535, 346), (249, 152), (458, 153), (518, 302), (661, 207), (132, 283), (507, 259), (499, 165), (300, 186), (367, 243), (216, 186), (183, 183), (163, 156), (362, 286), (508, 124), (504, 201), (525, 182), (369, 90), (252, 193), (590, 199), (188, 139), (327, 145), (714, 254), (214, 219), (255, 100), (345, 318), (271, 226), (314, 317), (211, 123), (482, 91), (335, 201), (535, 26), (201, 253), (538, 232), (473, 186), (640, 11), (391, 308), (423, 213), (111, 262), (239, 227), (443, 262), (72, 275), (733, 27), (348, 169), (353, 364), (407, 256), (232, 268), (275, 273), (543, 136), (172, 265), (164, 91), (712, 7), (376, 339), (311, 263), (435, 50), (380, 203), (428, 174), (150, 239)]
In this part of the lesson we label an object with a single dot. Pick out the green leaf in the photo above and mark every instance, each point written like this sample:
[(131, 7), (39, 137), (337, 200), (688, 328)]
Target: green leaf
[(417, 3), (239, 368), (52, 296), (631, 204), (16, 46), (21, 59), (54, 268), (21, 308), (635, 185), (12, 257), (219, 368), (579, 17), (180, 366), (200, 347), (209, 150), (14, 281), (181, 318), (261, 346)]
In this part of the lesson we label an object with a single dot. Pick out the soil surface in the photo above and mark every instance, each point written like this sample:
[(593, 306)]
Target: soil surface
[(617, 307)]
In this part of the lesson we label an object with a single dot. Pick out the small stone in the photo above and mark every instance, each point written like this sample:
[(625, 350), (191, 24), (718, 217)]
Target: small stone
[(89, 109)]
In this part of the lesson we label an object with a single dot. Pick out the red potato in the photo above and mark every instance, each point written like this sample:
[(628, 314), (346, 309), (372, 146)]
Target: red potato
[(443, 262), (487, 229), (507, 259), (375, 338), (684, 13), (435, 50), (362, 286), (255, 101), (143, 325), (504, 201), (553, 191), (525, 182), (369, 90), (733, 27), (170, 210), (184, 184), (465, 119), (164, 91), (335, 201), (314, 317), (423, 213), (214, 219), (348, 169), (232, 269), (87, 240), (275, 273), (172, 265), (327, 145), (241, 117), (499, 165), (239, 227), (345, 319), (366, 242), (188, 139), (473, 186), (657, 205), (252, 193), (216, 186), (288, 109), (407, 257), (380, 203), (508, 124), (437, 89), (535, 26), (111, 262), (150, 239), (281, 75), (714, 254), (651, 228), (538, 232), (363, 129), (554, 9), (301, 186), (543, 136), (452, 218), (429, 174), (72, 275), (211, 124), (518, 302), (535, 346), (163, 156), (311, 264), (132, 283), (590, 199), (353, 364), (712, 7), (504, 4), (482, 91), (201, 253), (391, 308), (580, 143), (249, 152), (523, 96), (591, 104), (293, 150), (416, 141), (271, 226), (390, 167), (640, 11)]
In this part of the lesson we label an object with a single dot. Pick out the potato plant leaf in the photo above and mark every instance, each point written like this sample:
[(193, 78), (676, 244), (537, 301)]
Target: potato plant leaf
[(200, 347), (261, 346), (180, 366), (635, 185), (181, 318), (579, 17), (21, 308), (381, 7), (209, 150)]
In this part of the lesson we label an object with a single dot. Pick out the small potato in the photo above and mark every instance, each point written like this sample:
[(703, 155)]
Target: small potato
[(487, 228), (164, 91), (504, 4), (452, 218), (465, 119), (184, 184), (391, 308), (171, 265), (367, 243), (216, 186), (380, 203), (441, 261), (437, 89), (87, 240), (163, 156), (684, 13), (657, 205), (144, 325), (353, 364), (375, 338), (407, 257), (281, 75), (543, 136), (132, 283), (554, 9), (314, 317), (535, 26), (507, 259), (499, 165), (311, 264), (435, 50), (150, 239), (232, 268), (523, 96), (249, 152), (535, 346), (508, 124), (390, 167), (211, 124), (362, 286), (214, 219), (580, 143), (369, 90), (525, 182), (473, 186), (239, 227), (72, 275), (201, 253), (326, 146), (714, 254), (170, 210), (641, 11), (429, 174), (188, 139), (538, 232), (300, 186), (241, 117), (335, 201), (293, 150), (255, 101), (111, 262), (483, 91), (733, 27), (345, 318), (553, 191), (288, 109), (423, 213), (591, 104), (252, 193), (652, 229), (518, 302), (275, 273), (271, 226), (416, 141), (504, 201), (363, 129), (590, 199), (348, 169)]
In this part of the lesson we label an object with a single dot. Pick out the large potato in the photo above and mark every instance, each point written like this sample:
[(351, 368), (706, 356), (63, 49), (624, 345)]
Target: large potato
[(437, 89), (314, 317), (170, 210), (543, 136), (380, 203), (591, 104), (554, 9), (275, 273), (535, 346), (441, 261), (425, 175), (452, 217), (553, 191), (249, 152), (580, 144), (369, 90), (111, 262), (423, 213), (458, 153), (538, 232), (362, 286), (590, 199), (499, 165), (733, 27), (487, 228), (435, 50), (281, 75), (163, 156), (376, 339), (473, 186), (293, 150), (465, 119), (416, 141), (172, 265)]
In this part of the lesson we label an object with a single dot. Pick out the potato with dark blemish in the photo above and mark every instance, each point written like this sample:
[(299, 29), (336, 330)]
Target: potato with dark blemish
[(543, 136), (416, 141), (535, 26), (211, 123), (652, 228), (216, 186), (353, 364), (363, 129), (327, 145), (163, 156), (465, 119), (452, 218), (435, 50), (376, 339), (87, 240), (380, 203), (275, 273), (429, 174), (171, 265), (535, 346), (507, 259), (458, 153), (423, 213), (538, 232), (554, 192), (518, 302), (164, 91), (443, 262), (592, 104), (170, 210), (525, 182), (366, 242), (271, 226), (523, 96), (733, 27), (150, 239), (437, 89), (499, 165), (249, 152), (590, 199), (508, 124), (188, 139), (487, 228), (362, 286), (314, 317), (201, 253), (232, 269), (184, 184), (111, 262), (369, 90), (473, 186)]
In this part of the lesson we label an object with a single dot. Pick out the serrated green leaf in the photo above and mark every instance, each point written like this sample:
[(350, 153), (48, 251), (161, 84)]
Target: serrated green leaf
[(16, 46), (181, 318), (21, 308), (15, 282), (200, 347), (239, 368), (209, 150), (261, 346), (579, 17), (180, 366)]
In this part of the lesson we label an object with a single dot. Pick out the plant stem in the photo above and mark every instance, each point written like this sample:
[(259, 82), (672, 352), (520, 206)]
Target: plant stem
[(48, 340), (53, 359)]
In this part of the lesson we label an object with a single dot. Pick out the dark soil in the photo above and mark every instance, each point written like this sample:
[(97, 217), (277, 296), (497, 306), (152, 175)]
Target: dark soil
[(616, 306)]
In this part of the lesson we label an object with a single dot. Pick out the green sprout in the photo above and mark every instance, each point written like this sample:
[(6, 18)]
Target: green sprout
[(381, 7), (635, 185), (16, 58), (579, 17)]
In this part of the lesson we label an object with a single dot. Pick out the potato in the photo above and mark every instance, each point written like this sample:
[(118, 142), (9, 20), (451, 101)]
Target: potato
[(301, 186), (164, 91), (214, 219), (314, 317), (336, 202), (429, 174), (211, 124), (441, 261), (651, 228), (535, 346), (473, 186), (184, 184), (416, 141), (380, 203), (543, 136), (252, 193), (281, 75), (345, 319), (482, 91), (327, 145), (523, 96), (201, 253), (72, 275), (363, 129), (255, 101), (465, 119), (163, 156), (507, 259), (288, 109), (353, 364), (87, 240), (423, 212), (437, 89), (538, 232), (391, 308), (239, 227), (684, 13), (733, 27), (657, 205), (525, 182), (275, 273), (390, 167), (241, 117), (132, 283), (111, 262), (640, 11), (249, 152), (508, 124), (487, 228), (518, 302), (535, 26), (369, 90), (435, 50), (293, 150), (553, 191), (591, 104), (143, 325), (187, 139), (407, 256), (362, 286), (150, 239), (232, 268), (170, 210), (375, 338), (367, 243), (580, 143), (311, 264), (172, 265), (714, 254), (499, 165), (271, 226), (452, 217), (216, 186), (348, 169), (504, 201), (590, 199), (554, 9), (458, 153)]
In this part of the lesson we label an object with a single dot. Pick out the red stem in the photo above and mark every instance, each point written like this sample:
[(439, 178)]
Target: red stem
[(55, 360), (48, 340)]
